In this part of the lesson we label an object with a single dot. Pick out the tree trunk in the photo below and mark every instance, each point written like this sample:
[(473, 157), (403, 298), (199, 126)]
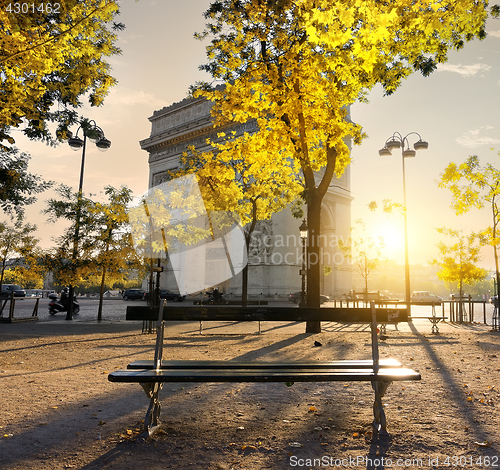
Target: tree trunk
[(460, 304), (248, 239), (313, 260), (103, 280), (244, 286), (101, 294), (495, 252), (366, 290), (4, 261)]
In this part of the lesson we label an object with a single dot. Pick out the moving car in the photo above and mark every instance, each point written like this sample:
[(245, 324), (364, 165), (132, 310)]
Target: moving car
[(8, 289), (296, 296), (134, 294), (423, 296), (168, 295)]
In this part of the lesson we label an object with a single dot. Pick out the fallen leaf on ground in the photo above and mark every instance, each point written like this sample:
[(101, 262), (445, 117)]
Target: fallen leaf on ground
[(483, 444)]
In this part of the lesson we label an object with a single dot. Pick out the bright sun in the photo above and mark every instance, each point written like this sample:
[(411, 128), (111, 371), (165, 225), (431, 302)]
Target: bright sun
[(393, 239)]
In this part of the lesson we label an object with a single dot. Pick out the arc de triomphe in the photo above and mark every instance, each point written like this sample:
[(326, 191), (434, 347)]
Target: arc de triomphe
[(275, 251)]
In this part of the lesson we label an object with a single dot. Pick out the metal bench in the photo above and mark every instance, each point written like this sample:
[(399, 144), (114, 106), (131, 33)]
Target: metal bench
[(434, 319), (152, 374)]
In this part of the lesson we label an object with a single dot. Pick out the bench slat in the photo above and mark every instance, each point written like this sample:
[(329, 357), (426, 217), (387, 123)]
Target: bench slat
[(347, 364), (430, 318), (262, 375)]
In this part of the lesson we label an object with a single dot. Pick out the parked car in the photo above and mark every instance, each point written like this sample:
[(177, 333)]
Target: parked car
[(168, 295), (8, 289), (296, 296), (423, 296), (134, 294)]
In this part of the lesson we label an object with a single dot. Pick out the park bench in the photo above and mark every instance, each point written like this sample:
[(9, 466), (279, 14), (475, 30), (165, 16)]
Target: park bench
[(434, 319), (152, 374)]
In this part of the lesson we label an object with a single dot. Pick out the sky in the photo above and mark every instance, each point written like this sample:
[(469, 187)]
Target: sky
[(456, 110)]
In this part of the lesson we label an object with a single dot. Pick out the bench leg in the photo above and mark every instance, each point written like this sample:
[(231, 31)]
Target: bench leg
[(152, 418), (379, 422)]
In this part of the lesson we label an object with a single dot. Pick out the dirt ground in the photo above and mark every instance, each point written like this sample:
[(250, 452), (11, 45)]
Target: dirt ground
[(59, 411)]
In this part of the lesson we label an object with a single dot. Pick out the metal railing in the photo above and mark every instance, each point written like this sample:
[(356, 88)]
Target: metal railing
[(463, 310), (11, 318)]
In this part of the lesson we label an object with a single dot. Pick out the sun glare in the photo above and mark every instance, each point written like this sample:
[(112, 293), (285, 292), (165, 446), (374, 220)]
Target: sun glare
[(393, 239)]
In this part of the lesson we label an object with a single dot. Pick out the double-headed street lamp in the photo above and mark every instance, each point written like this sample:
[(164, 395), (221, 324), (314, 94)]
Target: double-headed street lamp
[(303, 237), (395, 142), (95, 134)]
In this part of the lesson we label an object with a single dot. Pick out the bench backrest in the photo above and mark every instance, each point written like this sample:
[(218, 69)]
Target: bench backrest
[(229, 313), (162, 314)]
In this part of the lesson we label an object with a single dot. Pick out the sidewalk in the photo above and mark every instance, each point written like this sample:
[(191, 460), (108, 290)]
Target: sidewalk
[(77, 326), (59, 411)]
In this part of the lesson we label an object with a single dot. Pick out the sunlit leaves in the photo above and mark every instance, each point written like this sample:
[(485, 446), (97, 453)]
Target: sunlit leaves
[(459, 258), (54, 58), (19, 246), (295, 67), (169, 216), (249, 176), (473, 186)]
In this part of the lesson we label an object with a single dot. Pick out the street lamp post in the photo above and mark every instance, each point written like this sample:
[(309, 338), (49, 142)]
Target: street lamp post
[(394, 142), (303, 237), (95, 134)]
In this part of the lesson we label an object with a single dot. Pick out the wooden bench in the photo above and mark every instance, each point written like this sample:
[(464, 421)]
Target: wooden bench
[(152, 374)]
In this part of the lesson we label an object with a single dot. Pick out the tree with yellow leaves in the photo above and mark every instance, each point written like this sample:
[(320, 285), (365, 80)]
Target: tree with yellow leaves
[(459, 260), (19, 253), (295, 66), (247, 179), (474, 186), (51, 55)]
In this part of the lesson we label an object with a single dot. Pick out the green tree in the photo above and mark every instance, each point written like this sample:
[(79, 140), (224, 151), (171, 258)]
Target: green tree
[(104, 252), (69, 266), (474, 186), (295, 66), (114, 254), (459, 261), (17, 186), (50, 58)]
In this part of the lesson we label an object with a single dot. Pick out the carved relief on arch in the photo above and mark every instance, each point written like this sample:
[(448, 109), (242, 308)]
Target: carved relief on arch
[(261, 242), (161, 177)]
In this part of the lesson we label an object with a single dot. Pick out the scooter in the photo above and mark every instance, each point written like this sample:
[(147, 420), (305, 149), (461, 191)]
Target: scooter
[(215, 296), (56, 305)]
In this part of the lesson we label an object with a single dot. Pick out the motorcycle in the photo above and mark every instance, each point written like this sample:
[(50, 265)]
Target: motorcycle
[(61, 305), (215, 296)]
